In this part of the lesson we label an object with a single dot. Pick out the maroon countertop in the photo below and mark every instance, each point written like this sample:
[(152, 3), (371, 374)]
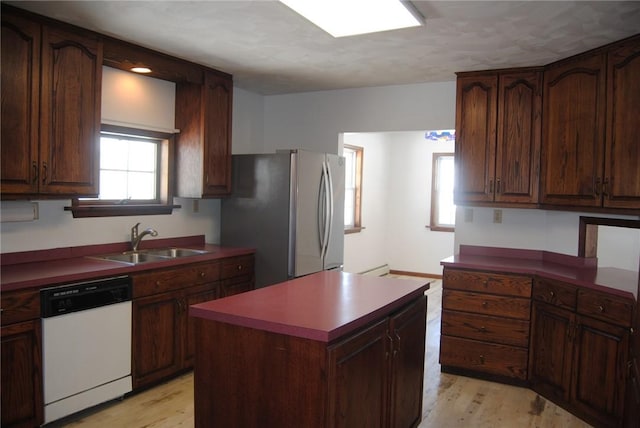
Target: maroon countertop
[(575, 270), (323, 306), (62, 265)]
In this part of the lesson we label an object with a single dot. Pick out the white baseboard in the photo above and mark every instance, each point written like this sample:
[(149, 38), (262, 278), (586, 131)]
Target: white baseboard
[(377, 271)]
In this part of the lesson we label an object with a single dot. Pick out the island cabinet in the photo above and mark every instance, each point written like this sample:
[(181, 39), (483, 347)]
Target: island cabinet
[(590, 141), (51, 85), (485, 324), (498, 129), (21, 342), (203, 115), (331, 349), (579, 349), (163, 336)]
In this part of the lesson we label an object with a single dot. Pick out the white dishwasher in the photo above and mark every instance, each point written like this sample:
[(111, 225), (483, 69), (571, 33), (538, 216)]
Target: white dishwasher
[(86, 344)]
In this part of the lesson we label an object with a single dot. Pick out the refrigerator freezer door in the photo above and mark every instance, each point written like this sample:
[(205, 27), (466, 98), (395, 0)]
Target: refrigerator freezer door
[(334, 256), (306, 213)]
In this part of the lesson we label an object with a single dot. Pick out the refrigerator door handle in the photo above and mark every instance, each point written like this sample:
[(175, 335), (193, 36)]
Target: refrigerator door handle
[(331, 209), (322, 211)]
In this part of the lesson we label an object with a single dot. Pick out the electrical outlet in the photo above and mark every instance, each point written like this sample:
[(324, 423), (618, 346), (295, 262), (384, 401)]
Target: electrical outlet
[(497, 216), (196, 205), (468, 215)]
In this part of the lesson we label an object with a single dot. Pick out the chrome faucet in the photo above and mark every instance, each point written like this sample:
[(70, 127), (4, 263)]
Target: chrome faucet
[(137, 237)]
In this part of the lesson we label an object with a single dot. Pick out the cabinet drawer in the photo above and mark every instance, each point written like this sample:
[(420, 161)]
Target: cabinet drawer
[(20, 305), (486, 304), (484, 357), (508, 285), (149, 283), (605, 307), (487, 328), (555, 293), (237, 266), (237, 285)]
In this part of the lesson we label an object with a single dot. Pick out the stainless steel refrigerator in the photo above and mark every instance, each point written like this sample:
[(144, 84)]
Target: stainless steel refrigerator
[(289, 206)]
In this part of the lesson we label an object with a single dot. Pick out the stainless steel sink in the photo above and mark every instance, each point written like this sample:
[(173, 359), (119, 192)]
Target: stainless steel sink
[(174, 252), (151, 255)]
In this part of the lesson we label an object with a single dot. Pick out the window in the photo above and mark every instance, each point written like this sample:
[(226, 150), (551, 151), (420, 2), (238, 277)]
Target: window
[(134, 174), (128, 168), (353, 188), (443, 211)]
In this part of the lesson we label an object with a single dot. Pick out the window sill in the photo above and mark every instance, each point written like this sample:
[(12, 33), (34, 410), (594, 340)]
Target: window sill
[(84, 211), (353, 230)]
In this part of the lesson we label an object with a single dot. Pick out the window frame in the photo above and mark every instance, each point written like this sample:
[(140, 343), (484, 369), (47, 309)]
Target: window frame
[(165, 176), (357, 217), (434, 223)]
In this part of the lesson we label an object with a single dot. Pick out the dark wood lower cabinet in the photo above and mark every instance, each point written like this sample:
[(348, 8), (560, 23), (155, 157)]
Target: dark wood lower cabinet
[(369, 378), (22, 399), (580, 363)]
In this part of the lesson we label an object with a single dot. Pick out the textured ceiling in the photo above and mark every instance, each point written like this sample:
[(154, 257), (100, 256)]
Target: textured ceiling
[(269, 49)]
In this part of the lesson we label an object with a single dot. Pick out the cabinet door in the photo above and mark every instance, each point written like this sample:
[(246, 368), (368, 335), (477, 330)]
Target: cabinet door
[(217, 98), (20, 105), (157, 346), (573, 135), (476, 109), (621, 185), (598, 385), (408, 330), (551, 351), (195, 295), (70, 113), (358, 379), (22, 399), (518, 141)]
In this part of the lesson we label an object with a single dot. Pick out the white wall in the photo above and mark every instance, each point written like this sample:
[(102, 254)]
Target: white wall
[(396, 205), (369, 248), (555, 231), (412, 246), (248, 122)]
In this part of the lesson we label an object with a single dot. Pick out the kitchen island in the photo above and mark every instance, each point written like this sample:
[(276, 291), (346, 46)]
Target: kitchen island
[(331, 349)]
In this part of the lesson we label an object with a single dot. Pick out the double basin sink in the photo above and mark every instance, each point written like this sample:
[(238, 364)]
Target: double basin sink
[(151, 255)]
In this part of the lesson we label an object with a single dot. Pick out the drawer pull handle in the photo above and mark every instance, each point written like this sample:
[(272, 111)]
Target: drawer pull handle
[(601, 308), (483, 329), (552, 293)]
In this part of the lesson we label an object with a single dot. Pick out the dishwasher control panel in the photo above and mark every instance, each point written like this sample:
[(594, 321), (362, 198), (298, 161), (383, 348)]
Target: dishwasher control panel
[(81, 296)]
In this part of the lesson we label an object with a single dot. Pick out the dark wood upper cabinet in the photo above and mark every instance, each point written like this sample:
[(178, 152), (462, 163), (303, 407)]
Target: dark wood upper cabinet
[(498, 120), (51, 84), (519, 134), (476, 110), (573, 143), (621, 183), (203, 115)]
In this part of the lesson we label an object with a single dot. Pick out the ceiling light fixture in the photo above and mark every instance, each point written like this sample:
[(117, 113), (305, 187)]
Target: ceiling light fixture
[(342, 18), (142, 70)]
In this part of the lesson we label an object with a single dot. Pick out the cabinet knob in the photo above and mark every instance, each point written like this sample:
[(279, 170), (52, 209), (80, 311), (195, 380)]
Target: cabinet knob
[(485, 283), (481, 359), (239, 267), (601, 308), (158, 283), (202, 274), (484, 304), (483, 329), (552, 293)]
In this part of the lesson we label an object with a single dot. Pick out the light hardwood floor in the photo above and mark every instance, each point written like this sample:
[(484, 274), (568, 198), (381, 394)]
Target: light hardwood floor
[(449, 401)]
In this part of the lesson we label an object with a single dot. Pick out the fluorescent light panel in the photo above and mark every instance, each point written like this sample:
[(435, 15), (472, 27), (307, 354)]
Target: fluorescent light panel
[(351, 17)]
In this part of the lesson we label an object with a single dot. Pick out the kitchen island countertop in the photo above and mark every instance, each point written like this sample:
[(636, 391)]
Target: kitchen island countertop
[(323, 306)]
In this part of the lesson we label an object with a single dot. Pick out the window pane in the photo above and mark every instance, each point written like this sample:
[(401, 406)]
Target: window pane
[(443, 210), (113, 153), (142, 156), (142, 185), (113, 185)]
